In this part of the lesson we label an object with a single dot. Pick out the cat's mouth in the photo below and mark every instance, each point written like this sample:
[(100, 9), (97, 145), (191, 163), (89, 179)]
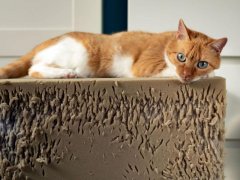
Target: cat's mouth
[(190, 80), (185, 81)]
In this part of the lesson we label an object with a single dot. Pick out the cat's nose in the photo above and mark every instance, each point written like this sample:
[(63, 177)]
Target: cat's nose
[(187, 75), (187, 72)]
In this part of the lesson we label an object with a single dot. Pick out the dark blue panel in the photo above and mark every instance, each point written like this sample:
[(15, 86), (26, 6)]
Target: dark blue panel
[(114, 16)]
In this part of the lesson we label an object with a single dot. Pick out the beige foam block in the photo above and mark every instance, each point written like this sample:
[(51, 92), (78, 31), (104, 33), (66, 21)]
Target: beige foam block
[(112, 129)]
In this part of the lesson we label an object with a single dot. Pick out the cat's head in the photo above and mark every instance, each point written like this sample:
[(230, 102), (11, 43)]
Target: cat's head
[(192, 54)]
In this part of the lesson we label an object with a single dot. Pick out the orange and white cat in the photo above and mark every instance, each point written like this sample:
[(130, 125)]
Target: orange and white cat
[(186, 54)]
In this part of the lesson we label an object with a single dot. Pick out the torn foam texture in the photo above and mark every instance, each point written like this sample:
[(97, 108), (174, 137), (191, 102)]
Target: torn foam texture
[(112, 129)]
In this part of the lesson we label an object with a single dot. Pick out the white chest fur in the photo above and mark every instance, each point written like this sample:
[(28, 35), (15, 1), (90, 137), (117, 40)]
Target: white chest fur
[(121, 66), (169, 71)]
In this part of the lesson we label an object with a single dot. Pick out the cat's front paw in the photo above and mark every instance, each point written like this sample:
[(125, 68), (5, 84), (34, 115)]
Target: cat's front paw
[(70, 75)]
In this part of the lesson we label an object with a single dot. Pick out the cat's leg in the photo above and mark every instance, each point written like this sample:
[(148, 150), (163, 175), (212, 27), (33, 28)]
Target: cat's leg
[(46, 71)]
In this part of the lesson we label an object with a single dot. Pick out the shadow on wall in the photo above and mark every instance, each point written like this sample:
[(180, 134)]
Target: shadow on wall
[(232, 119)]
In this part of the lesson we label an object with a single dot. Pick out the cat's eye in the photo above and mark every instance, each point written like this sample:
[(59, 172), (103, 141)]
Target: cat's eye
[(181, 57), (202, 64)]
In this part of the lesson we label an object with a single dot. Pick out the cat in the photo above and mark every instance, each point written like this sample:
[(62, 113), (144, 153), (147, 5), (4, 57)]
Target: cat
[(186, 54)]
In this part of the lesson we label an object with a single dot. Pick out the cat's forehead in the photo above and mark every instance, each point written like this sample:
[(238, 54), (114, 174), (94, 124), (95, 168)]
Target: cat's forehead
[(194, 49)]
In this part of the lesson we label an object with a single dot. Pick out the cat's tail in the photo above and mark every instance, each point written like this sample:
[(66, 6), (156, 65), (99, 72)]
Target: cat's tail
[(17, 68)]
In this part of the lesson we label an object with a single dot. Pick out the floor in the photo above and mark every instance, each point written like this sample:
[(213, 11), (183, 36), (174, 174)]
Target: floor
[(232, 160)]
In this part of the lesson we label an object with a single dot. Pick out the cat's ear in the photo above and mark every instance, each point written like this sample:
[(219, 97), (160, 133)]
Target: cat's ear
[(218, 44), (182, 32)]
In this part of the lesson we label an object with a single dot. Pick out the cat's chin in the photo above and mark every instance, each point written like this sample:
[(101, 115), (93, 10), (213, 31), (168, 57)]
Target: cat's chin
[(192, 80), (196, 78), (185, 81)]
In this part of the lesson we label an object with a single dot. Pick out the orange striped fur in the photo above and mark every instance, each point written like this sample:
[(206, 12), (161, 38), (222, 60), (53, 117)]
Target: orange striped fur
[(151, 54)]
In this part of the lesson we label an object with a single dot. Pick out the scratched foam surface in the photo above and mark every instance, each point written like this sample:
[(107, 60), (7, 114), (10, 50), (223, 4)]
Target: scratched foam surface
[(112, 129)]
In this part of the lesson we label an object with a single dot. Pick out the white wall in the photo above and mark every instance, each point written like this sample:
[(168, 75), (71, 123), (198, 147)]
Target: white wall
[(26, 23), (216, 17)]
